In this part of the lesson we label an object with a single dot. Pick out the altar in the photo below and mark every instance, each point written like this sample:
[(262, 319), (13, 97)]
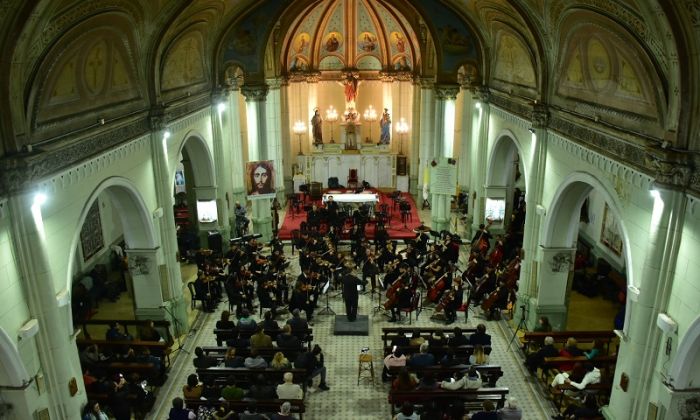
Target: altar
[(371, 198), (378, 168)]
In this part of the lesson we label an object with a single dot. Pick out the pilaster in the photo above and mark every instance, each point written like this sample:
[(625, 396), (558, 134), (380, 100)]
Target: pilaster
[(480, 130), (443, 143), (273, 121), (465, 139), (236, 171), (222, 161), (415, 175), (426, 134)]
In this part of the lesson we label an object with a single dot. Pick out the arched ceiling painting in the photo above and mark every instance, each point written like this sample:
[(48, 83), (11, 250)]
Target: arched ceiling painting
[(344, 34)]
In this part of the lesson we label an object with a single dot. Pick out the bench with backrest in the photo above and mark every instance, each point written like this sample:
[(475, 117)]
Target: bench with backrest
[(119, 346), (489, 373), (472, 398), (266, 353), (606, 365), (262, 406), (305, 336), (390, 333), (605, 338), (461, 352), (163, 327), (245, 377)]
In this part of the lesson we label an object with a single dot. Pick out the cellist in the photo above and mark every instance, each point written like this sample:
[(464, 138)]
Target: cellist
[(404, 297)]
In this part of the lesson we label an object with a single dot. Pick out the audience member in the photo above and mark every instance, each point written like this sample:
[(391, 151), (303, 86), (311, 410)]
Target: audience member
[(245, 322), (570, 350), (179, 412), (201, 360), (223, 412), (92, 411), (231, 360), (149, 332), (428, 382), (416, 339), (225, 322), (394, 359), (407, 412), (534, 360), (543, 325), (592, 376), (297, 322), (193, 389), (260, 340), (255, 361), (116, 333), (269, 323), (511, 411), (405, 381), (251, 413), (280, 362), (480, 336), (285, 412), (400, 340), (231, 392), (423, 358), (312, 361), (488, 412), (479, 357), (459, 339), (288, 340), (261, 390), (289, 390)]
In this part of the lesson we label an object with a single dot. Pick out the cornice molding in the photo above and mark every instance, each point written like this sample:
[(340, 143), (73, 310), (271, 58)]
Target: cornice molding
[(509, 116), (255, 93)]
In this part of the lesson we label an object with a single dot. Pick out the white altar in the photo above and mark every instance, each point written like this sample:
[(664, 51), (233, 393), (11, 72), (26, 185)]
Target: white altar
[(352, 198), (377, 169)]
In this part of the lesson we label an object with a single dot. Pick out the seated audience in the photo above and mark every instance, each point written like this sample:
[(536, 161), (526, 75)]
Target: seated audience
[(289, 390), (255, 361), (238, 341), (231, 360), (251, 413), (400, 340), (261, 390), (193, 389), (280, 362), (407, 412), (570, 350), (449, 358), (297, 322), (312, 361), (510, 411), (592, 376), (286, 339), (428, 382), (245, 322), (285, 412), (423, 358), (269, 323), (534, 360), (149, 332), (416, 339), (223, 412), (260, 340), (396, 358), (488, 412), (231, 392), (459, 339), (594, 351), (225, 322), (116, 333), (405, 381), (480, 336), (543, 325), (588, 410), (201, 360), (92, 411), (469, 380), (479, 357), (179, 412)]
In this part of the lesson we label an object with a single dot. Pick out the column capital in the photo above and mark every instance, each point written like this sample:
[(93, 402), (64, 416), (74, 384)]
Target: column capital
[(539, 115), (426, 82), (482, 93), (386, 77), (219, 95), (255, 93), (446, 92), (158, 118), (671, 169), (277, 82), (313, 77)]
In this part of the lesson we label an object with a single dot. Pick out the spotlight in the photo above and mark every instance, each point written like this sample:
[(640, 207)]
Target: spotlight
[(221, 107), (40, 199), (532, 130), (478, 105), (655, 193), (166, 135)]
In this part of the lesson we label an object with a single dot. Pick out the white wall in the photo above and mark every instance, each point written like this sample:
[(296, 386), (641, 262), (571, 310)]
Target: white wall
[(591, 231)]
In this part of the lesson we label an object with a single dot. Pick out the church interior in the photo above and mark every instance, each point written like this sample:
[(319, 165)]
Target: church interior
[(365, 179)]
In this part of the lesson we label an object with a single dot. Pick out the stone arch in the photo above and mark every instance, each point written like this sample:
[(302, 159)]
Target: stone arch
[(196, 149), (501, 153), (561, 221), (687, 361), (137, 222), (12, 370)]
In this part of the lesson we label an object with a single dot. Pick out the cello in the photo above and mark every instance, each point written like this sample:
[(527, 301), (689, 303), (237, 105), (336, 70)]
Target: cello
[(437, 288), (393, 293)]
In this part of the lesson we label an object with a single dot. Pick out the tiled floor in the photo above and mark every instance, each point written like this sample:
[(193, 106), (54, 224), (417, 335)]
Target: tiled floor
[(347, 400)]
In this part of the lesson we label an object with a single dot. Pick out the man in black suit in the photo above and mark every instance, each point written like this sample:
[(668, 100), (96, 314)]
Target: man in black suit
[(351, 294)]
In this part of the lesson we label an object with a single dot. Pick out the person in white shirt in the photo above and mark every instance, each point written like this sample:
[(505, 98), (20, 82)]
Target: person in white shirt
[(470, 380), (511, 411), (289, 390), (592, 376)]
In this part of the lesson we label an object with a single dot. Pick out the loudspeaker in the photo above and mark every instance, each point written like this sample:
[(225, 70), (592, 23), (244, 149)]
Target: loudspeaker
[(215, 242), (401, 165), (316, 190)]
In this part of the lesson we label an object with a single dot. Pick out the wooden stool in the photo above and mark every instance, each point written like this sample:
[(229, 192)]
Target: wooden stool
[(366, 365)]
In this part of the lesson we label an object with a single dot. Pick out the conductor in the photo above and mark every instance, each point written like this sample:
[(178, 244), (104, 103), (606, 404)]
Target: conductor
[(351, 294)]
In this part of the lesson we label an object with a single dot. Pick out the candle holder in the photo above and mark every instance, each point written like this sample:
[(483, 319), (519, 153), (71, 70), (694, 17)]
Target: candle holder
[(331, 117), (402, 129), (370, 115), (299, 128)]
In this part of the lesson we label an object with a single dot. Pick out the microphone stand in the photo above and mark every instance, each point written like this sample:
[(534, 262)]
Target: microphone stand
[(178, 331)]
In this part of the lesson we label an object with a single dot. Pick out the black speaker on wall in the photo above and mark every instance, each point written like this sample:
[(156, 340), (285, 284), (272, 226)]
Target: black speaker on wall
[(401, 165)]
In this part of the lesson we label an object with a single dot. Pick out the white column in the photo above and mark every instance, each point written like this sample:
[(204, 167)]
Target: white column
[(308, 111), (443, 148), (480, 124), (427, 133), (639, 350), (236, 170), (55, 344), (528, 285), (413, 146), (143, 267), (222, 163), (255, 96), (273, 121), (466, 116), (172, 292)]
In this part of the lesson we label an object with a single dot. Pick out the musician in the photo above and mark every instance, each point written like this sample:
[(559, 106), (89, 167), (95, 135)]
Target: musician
[(485, 285), (303, 296), (332, 209), (455, 303), (370, 269), (350, 294), (202, 292), (482, 237), (313, 218), (404, 298), (496, 255), (451, 251)]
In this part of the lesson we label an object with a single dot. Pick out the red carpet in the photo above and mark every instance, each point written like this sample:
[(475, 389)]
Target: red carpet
[(394, 228)]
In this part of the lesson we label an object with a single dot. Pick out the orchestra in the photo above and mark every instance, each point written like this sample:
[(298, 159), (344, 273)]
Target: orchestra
[(422, 273)]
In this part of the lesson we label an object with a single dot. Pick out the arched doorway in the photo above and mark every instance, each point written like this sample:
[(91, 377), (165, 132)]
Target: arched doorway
[(580, 199), (686, 364), (114, 223), (506, 184)]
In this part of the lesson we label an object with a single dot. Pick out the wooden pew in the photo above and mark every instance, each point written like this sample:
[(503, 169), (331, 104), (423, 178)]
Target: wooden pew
[(226, 334), (389, 333), (604, 337), (267, 354), (461, 352), (162, 327), (472, 398), (606, 365), (263, 406), (489, 373), (245, 377), (156, 347)]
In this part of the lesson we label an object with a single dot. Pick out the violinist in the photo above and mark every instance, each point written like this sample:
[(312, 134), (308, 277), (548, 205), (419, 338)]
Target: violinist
[(302, 296), (457, 295), (202, 291), (404, 296), (269, 293), (370, 270), (313, 218)]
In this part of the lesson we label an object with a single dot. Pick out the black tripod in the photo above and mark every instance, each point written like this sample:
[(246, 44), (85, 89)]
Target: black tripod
[(521, 325), (327, 310), (178, 331)]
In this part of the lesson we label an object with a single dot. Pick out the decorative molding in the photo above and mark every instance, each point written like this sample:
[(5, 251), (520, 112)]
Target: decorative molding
[(255, 93), (539, 115), (189, 120), (446, 92), (482, 94), (560, 262), (670, 168), (513, 118)]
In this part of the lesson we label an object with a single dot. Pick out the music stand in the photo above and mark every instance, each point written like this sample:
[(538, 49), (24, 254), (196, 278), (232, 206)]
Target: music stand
[(379, 308), (327, 310)]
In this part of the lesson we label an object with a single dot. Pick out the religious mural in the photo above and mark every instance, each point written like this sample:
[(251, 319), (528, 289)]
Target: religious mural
[(184, 63), (513, 64)]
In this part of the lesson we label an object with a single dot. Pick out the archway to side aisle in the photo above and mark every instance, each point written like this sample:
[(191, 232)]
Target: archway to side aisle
[(505, 186), (583, 200), (114, 257), (197, 211)]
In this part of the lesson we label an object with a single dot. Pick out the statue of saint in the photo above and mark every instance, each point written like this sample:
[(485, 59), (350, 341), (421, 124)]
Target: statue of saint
[(385, 124), (316, 128)]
